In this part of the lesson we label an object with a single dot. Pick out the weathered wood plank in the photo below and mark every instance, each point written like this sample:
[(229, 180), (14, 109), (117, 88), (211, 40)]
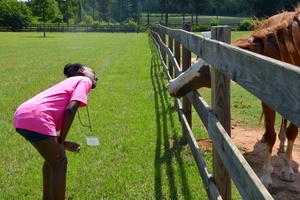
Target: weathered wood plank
[(159, 42), (245, 179), (207, 178), (201, 107), (248, 184), (220, 96), (170, 65), (186, 63), (274, 82)]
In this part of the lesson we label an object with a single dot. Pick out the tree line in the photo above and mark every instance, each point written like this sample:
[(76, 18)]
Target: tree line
[(17, 14)]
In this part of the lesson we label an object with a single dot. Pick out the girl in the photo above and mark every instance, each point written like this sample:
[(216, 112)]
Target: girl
[(40, 118)]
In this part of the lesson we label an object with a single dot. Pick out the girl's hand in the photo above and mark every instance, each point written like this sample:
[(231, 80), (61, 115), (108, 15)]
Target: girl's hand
[(62, 158), (72, 146)]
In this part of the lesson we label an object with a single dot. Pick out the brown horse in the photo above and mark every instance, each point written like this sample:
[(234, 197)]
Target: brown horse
[(279, 38)]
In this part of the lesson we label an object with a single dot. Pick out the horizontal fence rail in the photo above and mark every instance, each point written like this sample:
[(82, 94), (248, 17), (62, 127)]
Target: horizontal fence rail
[(272, 81), (179, 26)]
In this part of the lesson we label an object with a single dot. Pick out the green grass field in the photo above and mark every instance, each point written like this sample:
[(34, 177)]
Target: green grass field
[(140, 155)]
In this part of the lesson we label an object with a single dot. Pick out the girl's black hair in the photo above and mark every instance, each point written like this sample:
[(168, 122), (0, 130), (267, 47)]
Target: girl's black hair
[(71, 69)]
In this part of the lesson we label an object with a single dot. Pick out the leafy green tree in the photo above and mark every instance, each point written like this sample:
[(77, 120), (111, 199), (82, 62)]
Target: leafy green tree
[(45, 10), (128, 8), (88, 20), (71, 10), (112, 10), (183, 4), (119, 11), (198, 6), (138, 13), (14, 14), (264, 8), (246, 25), (290, 4), (166, 4)]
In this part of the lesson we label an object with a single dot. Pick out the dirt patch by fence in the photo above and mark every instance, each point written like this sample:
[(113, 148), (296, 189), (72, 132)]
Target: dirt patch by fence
[(248, 141)]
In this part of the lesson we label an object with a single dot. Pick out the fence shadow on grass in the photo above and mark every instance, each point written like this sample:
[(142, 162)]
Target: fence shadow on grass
[(171, 140)]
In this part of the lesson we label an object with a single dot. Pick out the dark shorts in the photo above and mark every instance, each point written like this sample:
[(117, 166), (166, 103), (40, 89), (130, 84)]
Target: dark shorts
[(32, 136)]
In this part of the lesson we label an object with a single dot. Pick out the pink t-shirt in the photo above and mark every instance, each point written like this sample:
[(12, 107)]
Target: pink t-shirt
[(44, 112)]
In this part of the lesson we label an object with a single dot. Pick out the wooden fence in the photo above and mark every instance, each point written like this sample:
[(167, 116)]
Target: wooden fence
[(77, 28), (272, 81), (179, 26)]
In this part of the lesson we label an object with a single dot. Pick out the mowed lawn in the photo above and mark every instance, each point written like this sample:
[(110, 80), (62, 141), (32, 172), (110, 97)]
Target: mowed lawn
[(140, 155)]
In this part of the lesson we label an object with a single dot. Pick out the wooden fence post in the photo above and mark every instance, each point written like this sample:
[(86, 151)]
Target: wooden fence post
[(220, 97), (186, 63), (177, 51), (170, 63), (163, 39)]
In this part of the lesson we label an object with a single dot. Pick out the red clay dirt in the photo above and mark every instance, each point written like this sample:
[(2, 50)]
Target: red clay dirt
[(248, 141)]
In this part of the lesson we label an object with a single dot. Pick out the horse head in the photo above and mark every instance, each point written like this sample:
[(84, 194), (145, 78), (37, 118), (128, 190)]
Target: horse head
[(195, 77)]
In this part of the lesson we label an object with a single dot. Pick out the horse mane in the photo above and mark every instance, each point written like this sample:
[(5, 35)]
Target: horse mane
[(269, 21), (278, 37)]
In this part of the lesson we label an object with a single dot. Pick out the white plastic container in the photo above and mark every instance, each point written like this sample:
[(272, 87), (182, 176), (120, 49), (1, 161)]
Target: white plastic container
[(92, 140)]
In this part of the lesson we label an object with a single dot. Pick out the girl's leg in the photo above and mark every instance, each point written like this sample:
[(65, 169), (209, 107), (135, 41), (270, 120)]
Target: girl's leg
[(47, 194), (49, 149)]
